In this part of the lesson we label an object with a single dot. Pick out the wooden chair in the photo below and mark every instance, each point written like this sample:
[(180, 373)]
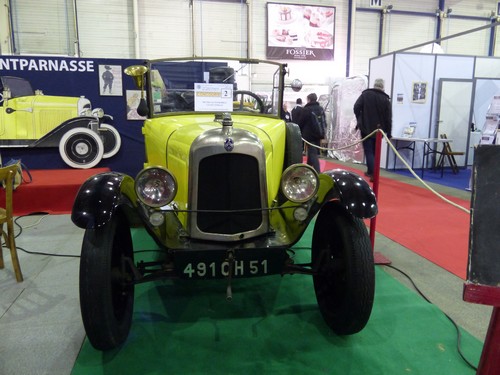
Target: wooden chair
[(8, 174), (448, 154)]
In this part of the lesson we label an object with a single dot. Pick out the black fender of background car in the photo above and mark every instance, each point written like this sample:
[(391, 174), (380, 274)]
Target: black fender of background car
[(52, 138), (107, 119), (99, 198), (354, 193)]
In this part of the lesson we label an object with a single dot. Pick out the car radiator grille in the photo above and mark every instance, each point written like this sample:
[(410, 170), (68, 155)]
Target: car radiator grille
[(229, 182)]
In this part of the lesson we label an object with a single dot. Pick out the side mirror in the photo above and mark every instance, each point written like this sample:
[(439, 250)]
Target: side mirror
[(296, 85)]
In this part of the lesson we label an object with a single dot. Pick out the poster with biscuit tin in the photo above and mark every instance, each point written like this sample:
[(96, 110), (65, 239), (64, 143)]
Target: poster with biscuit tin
[(300, 32)]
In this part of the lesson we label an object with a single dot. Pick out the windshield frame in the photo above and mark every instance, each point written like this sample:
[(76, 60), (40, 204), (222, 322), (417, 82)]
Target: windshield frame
[(274, 98)]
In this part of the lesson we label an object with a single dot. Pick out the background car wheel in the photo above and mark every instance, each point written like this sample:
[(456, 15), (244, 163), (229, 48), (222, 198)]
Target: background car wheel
[(81, 148), (240, 101), (111, 140), (106, 288), (345, 283)]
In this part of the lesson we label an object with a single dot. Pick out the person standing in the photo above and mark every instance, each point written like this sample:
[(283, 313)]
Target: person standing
[(373, 111), (285, 114), (312, 122), (297, 111)]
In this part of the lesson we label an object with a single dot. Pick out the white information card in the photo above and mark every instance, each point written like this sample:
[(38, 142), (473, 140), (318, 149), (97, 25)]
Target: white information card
[(213, 97)]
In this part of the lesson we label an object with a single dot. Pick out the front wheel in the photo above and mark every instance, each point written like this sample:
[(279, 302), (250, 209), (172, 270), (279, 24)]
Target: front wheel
[(111, 140), (81, 148), (106, 283), (345, 281)]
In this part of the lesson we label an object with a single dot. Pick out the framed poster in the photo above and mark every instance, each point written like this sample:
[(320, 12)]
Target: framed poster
[(300, 32), (133, 98), (110, 80), (419, 92)]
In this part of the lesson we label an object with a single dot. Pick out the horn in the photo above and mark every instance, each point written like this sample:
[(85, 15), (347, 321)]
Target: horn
[(137, 73)]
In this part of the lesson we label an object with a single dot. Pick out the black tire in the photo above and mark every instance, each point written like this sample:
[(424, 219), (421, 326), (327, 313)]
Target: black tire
[(106, 288), (293, 146), (345, 283), (81, 148)]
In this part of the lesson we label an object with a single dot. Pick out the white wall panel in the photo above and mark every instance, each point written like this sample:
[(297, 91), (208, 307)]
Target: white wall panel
[(169, 28), (106, 29), (365, 41), (403, 31), (413, 6), (476, 8), (164, 29), (43, 27), (487, 67), (220, 28), (473, 44)]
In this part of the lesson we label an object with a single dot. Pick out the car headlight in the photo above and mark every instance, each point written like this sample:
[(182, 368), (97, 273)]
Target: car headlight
[(155, 186), (84, 107), (98, 112), (86, 112), (299, 183)]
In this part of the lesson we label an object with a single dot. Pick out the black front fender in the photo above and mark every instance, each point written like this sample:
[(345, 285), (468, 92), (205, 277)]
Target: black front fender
[(354, 193), (100, 196)]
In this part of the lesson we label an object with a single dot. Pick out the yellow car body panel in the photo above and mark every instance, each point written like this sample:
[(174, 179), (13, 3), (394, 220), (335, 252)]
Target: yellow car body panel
[(33, 117), (170, 137)]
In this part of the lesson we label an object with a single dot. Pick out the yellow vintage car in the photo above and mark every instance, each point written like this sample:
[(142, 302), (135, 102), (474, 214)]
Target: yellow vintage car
[(28, 118), (225, 195)]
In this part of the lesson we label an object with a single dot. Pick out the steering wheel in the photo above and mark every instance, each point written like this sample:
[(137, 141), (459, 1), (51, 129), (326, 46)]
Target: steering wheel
[(247, 105)]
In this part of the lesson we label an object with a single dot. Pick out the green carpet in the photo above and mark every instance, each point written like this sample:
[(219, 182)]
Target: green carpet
[(273, 326)]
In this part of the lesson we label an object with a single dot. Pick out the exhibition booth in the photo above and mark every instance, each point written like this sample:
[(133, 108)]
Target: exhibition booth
[(434, 94)]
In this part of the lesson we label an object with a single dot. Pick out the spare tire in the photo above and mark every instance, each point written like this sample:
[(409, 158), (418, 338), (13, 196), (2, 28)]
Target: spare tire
[(293, 145)]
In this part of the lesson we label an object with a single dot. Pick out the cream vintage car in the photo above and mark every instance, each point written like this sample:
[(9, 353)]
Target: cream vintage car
[(28, 118)]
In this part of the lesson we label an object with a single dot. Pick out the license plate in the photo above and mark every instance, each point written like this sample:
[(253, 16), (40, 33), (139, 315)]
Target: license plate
[(214, 265)]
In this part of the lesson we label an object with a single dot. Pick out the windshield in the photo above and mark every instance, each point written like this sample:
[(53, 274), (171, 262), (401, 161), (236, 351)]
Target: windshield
[(211, 85), (17, 86)]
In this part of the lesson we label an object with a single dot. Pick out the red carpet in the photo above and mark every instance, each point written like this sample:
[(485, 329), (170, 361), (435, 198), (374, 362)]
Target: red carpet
[(420, 221), (411, 216), (52, 190)]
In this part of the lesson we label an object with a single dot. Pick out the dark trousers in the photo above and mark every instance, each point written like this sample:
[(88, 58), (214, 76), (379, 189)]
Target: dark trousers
[(369, 148), (312, 156)]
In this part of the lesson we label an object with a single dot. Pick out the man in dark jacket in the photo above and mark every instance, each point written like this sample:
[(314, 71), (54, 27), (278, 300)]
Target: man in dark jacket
[(309, 126), (297, 111), (373, 111)]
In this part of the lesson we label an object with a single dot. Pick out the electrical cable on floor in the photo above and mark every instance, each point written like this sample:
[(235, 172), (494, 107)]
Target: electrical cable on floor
[(44, 215), (457, 328), (47, 254)]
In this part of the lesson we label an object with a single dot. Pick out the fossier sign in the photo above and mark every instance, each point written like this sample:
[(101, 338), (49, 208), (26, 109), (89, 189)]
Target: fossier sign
[(46, 65), (300, 32)]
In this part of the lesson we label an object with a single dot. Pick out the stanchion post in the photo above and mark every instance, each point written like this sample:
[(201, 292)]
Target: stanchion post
[(379, 258)]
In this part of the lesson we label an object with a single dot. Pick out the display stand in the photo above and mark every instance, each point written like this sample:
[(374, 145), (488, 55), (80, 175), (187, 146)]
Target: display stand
[(483, 272)]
